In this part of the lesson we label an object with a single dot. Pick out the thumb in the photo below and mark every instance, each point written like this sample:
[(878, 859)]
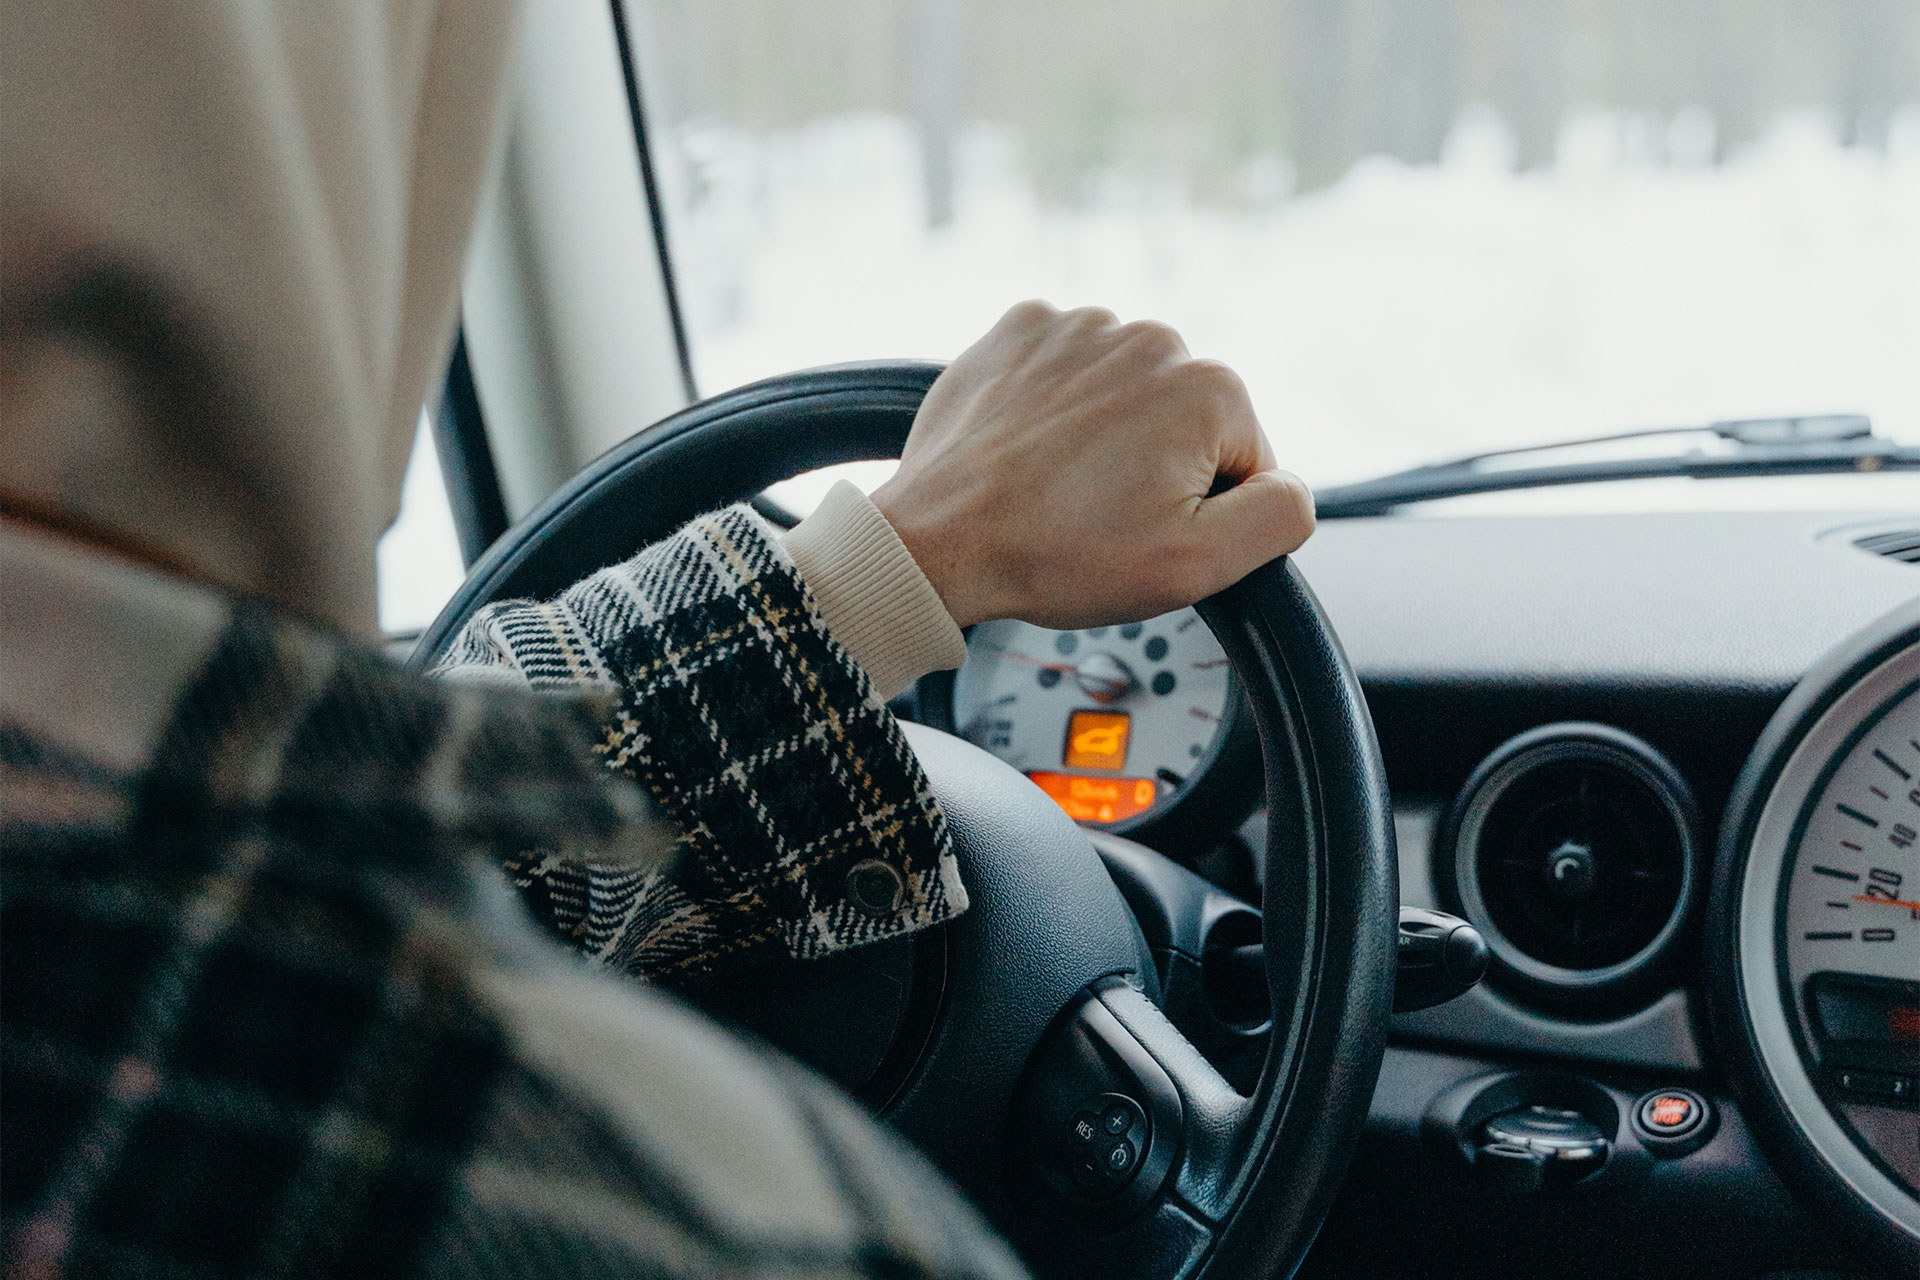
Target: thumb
[(1268, 514)]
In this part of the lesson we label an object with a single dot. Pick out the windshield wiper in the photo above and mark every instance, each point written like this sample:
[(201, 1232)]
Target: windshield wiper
[(1827, 443)]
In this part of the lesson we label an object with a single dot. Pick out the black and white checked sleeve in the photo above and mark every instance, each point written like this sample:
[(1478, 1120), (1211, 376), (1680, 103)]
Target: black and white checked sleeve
[(801, 824)]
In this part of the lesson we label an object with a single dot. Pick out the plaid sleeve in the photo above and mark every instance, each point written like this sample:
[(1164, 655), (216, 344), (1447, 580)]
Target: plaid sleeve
[(805, 824)]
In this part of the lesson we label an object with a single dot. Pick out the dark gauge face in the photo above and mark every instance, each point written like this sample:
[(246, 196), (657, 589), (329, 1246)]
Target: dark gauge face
[(1115, 723)]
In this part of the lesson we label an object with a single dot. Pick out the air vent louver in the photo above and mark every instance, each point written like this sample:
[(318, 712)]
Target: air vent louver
[(1572, 850), (1895, 544)]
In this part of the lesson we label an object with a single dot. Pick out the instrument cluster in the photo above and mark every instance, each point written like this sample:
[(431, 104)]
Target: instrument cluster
[(1121, 725)]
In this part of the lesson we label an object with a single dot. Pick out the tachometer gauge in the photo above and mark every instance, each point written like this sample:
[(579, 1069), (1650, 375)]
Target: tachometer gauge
[(1816, 958), (1117, 724)]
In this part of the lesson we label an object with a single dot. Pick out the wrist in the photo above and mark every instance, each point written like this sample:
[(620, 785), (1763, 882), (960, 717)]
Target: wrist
[(949, 563), (872, 593)]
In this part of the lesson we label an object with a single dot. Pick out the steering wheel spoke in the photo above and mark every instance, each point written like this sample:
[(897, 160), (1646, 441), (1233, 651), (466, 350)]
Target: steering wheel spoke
[(1099, 1120)]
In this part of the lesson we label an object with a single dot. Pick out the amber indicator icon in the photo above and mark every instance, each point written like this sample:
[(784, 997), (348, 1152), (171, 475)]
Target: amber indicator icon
[(1097, 740)]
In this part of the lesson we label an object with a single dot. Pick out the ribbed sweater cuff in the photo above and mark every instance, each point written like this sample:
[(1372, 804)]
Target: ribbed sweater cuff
[(871, 593)]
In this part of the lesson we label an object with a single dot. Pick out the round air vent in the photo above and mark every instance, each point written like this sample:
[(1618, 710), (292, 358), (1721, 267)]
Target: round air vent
[(1572, 849)]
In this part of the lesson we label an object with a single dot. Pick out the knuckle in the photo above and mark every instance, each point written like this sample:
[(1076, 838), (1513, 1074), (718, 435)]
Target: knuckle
[(1216, 381), (1301, 509), (1029, 313), (1154, 335), (1093, 318)]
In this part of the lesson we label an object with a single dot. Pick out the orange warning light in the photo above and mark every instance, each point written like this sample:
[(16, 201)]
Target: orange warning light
[(1903, 1022), (1097, 799), (1097, 740)]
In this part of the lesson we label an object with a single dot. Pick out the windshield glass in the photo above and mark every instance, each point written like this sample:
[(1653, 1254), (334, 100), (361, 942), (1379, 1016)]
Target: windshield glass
[(1418, 228)]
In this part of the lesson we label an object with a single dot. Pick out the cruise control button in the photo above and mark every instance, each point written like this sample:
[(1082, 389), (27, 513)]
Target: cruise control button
[(1119, 1157), (1094, 1181), (1086, 1127), (1118, 1119)]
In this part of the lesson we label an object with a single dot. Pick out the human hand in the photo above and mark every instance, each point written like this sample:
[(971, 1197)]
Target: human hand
[(1072, 471)]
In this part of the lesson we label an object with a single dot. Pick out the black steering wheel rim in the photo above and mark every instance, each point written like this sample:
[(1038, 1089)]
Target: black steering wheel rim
[(1260, 1173)]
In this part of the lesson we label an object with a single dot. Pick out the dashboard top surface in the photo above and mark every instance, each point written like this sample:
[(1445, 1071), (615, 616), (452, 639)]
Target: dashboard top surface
[(1744, 602)]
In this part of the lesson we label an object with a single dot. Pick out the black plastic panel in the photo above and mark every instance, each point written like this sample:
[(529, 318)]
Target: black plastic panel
[(1408, 1209), (1685, 630)]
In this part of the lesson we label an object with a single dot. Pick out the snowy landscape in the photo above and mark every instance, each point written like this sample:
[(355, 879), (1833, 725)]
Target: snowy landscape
[(1648, 274)]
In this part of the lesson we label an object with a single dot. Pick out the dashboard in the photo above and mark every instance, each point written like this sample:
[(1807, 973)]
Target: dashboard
[(1669, 765)]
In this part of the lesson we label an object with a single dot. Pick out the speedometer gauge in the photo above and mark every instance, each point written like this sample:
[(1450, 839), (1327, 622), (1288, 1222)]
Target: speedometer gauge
[(1816, 923), (1851, 925), (1115, 723)]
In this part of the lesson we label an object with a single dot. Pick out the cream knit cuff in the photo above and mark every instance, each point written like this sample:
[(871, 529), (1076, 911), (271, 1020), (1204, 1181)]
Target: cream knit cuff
[(875, 600)]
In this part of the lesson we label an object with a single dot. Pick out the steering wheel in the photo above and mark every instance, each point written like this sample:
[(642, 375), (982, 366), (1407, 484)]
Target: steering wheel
[(1037, 1020)]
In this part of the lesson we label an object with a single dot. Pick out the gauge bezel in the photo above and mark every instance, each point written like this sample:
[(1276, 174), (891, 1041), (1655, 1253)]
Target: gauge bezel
[(1748, 999), (1905, 682), (1220, 793)]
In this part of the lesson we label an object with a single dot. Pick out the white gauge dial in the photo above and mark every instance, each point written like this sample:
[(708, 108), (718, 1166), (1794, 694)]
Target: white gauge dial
[(1113, 722), (1853, 903), (1829, 937)]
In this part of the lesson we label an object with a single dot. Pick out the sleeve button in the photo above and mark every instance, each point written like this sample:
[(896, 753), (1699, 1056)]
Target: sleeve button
[(875, 888)]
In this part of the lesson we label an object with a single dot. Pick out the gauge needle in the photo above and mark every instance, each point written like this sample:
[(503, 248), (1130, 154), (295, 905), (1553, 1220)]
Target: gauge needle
[(1887, 902), (1061, 667)]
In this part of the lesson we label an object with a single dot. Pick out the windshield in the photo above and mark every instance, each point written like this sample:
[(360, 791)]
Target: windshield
[(1418, 228)]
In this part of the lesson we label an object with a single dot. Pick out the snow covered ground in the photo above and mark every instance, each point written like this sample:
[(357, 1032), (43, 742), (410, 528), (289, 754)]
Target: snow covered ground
[(1403, 315)]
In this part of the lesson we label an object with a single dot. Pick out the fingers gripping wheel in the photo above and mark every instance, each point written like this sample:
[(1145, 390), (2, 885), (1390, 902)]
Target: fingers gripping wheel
[(1033, 1039)]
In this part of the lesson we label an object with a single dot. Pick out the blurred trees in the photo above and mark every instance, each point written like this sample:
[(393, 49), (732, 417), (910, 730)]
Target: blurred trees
[(1201, 92)]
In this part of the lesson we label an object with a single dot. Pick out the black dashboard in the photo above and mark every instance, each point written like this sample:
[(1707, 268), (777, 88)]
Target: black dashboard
[(1600, 672), (1687, 632)]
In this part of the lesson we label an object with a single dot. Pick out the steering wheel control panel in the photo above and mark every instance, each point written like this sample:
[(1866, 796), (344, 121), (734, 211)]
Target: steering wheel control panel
[(1105, 1141), (1096, 1120)]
